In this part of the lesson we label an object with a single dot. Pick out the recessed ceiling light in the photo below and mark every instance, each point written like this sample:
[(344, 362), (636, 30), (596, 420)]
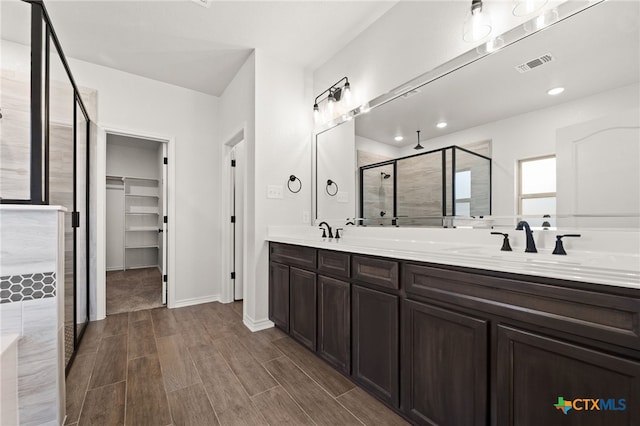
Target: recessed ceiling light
[(441, 125), (398, 138), (555, 91)]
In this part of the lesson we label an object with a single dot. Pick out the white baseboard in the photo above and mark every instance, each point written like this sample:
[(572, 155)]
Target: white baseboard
[(254, 325), (114, 268), (195, 301)]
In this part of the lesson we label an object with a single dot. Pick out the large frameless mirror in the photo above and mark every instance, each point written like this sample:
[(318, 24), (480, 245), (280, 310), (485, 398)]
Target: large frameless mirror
[(501, 107)]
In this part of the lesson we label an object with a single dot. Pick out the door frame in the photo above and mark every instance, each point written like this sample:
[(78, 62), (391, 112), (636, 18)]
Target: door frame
[(101, 230), (227, 290)]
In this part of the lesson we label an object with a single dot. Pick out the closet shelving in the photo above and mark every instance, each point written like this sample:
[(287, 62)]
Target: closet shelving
[(141, 221)]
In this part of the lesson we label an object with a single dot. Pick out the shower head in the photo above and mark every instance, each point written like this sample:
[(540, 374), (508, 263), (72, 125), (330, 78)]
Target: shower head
[(385, 175)]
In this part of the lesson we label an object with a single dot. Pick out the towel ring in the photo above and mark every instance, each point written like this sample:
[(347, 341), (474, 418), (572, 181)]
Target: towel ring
[(331, 183), (293, 178)]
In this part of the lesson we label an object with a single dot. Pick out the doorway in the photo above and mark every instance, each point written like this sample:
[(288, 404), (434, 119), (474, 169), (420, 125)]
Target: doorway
[(136, 223), (233, 174)]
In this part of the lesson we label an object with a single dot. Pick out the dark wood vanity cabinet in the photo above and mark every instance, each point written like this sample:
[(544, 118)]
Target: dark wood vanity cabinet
[(375, 342), (444, 358), (334, 322), (302, 305), (279, 295), (446, 345), (533, 371)]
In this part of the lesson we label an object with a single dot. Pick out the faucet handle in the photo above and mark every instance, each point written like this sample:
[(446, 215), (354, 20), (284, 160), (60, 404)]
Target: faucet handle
[(559, 246), (324, 232), (338, 232), (505, 242)]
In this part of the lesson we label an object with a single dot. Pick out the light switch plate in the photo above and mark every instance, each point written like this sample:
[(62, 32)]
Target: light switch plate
[(275, 191), (305, 217), (343, 197)]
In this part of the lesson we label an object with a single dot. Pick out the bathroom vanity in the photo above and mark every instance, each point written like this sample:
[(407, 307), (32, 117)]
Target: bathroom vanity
[(450, 345)]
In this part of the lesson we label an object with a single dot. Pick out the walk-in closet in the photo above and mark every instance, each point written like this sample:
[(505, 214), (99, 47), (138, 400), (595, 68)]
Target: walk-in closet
[(135, 209)]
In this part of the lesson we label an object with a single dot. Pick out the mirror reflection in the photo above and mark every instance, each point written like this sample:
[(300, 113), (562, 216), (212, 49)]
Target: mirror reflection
[(556, 112)]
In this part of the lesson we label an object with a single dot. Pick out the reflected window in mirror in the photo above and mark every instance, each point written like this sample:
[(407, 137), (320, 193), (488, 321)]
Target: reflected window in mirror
[(463, 193), (537, 190)]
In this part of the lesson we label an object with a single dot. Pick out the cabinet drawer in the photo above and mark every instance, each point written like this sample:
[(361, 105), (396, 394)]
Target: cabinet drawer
[(334, 263), (376, 271), (590, 314), (293, 255)]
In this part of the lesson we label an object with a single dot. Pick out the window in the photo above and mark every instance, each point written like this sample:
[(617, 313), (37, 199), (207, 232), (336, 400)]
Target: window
[(537, 187), (463, 193)]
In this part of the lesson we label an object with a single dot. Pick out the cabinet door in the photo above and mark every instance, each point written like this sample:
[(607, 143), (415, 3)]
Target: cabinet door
[(544, 381), (334, 328), (445, 368), (303, 307), (375, 342), (279, 295)]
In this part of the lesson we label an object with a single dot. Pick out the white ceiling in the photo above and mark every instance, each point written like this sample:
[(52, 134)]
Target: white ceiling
[(596, 50), (182, 43)]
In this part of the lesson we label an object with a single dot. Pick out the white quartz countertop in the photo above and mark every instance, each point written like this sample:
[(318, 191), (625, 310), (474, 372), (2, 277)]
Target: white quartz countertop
[(30, 207), (608, 268)]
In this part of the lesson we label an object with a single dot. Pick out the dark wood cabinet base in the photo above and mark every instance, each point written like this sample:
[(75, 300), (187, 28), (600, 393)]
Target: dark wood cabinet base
[(455, 346)]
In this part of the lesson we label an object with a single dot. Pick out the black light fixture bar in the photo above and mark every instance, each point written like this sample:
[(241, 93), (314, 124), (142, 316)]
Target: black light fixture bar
[(334, 91)]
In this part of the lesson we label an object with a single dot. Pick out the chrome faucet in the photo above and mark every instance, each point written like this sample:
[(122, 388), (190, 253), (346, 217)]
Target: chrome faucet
[(328, 230), (531, 244)]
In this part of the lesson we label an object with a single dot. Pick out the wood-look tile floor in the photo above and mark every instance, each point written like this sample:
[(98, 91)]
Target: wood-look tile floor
[(199, 365), (133, 290)]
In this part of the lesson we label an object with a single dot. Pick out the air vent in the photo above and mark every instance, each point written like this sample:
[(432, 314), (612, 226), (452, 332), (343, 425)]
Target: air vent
[(535, 63)]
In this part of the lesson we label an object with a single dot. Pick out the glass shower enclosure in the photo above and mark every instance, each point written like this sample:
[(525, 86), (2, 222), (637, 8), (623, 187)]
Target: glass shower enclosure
[(44, 144), (426, 189)]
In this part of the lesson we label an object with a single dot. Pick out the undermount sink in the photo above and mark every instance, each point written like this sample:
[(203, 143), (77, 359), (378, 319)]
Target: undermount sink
[(590, 260)]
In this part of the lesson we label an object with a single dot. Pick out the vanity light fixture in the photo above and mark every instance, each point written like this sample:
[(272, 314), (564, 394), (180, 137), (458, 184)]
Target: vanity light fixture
[(418, 146), (441, 125), (555, 91), (341, 89), (398, 138), (527, 7), (477, 24)]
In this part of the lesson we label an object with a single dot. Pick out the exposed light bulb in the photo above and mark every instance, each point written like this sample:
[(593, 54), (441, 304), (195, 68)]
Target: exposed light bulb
[(527, 7), (477, 25), (441, 125), (346, 92), (316, 113), (398, 138)]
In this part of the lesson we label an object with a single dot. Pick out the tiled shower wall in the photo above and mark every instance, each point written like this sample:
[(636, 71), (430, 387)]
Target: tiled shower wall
[(31, 247)]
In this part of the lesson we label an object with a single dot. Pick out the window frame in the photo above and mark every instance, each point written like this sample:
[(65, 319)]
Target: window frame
[(535, 195)]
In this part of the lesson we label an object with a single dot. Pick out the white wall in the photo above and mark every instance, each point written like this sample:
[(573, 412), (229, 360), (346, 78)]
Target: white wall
[(131, 161), (237, 117), (378, 148), (336, 160), (139, 105), (282, 147), (268, 100)]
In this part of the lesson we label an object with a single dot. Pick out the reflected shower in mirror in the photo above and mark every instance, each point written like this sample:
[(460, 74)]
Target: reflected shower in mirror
[(502, 106), (427, 188)]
